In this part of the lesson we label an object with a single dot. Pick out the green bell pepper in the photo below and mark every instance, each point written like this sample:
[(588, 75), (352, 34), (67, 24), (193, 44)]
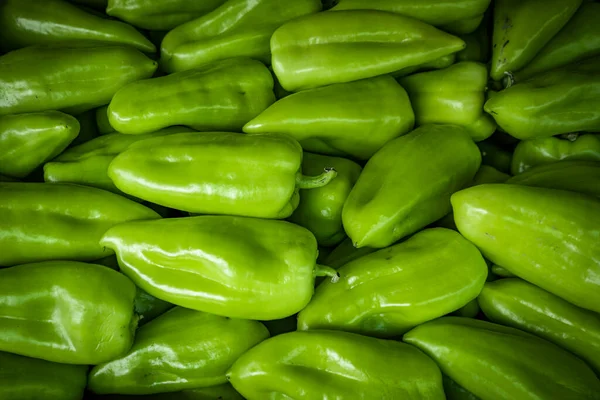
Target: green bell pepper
[(552, 103), (522, 28), (578, 39), (442, 14), (75, 79), (29, 140), (343, 46), (352, 119), (576, 176), (469, 310), (498, 362), (548, 237), (501, 271), (454, 95), (87, 128), (320, 210), (478, 46), (438, 63), (454, 391), (4, 178), (335, 365), (217, 392), (514, 302), (495, 156), (102, 122), (220, 96), (66, 312), (24, 378), (87, 164), (464, 26), (281, 326), (344, 253), (431, 274), (541, 151), (233, 266), (42, 221), (397, 195), (148, 307), (181, 349), (238, 28), (256, 175), (487, 174), (160, 15), (58, 22)]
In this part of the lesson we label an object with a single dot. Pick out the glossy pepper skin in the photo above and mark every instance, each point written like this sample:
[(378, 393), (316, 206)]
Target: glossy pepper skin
[(41, 221), (433, 12), (454, 391), (254, 175), (576, 176), (577, 40), (431, 274), (545, 236), (514, 302), (320, 210), (220, 96), (495, 156), (438, 63), (182, 349), (345, 252), (159, 15), (58, 22), (498, 362), (453, 95), (541, 151), (232, 266), (24, 378), (68, 312), (29, 140), (324, 48), (371, 369), (102, 122), (552, 103), (396, 195), (87, 164), (75, 79), (352, 119), (522, 28), (238, 28)]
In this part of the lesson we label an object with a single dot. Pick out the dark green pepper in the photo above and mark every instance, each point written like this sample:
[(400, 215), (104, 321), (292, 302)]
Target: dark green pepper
[(159, 15), (87, 128), (220, 96), (87, 164), (344, 253), (148, 307), (57, 22), (29, 140), (514, 302), (217, 392), (236, 178), (352, 119), (233, 266), (438, 63), (344, 46), (238, 28), (75, 79), (495, 156), (470, 310), (541, 151), (497, 362), (42, 221), (181, 349), (66, 311), (335, 365), (24, 378), (456, 392), (431, 274), (102, 122), (548, 237), (396, 196), (320, 210), (501, 271), (478, 46)]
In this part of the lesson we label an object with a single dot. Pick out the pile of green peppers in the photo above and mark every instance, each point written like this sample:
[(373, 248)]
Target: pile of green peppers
[(289, 200)]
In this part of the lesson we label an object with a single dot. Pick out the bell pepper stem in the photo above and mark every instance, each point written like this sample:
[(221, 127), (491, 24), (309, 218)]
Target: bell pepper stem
[(323, 270), (313, 182)]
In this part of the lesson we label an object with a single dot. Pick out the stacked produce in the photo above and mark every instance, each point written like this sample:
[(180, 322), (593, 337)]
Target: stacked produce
[(266, 199)]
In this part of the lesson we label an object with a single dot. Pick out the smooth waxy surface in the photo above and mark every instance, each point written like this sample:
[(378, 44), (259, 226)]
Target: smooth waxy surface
[(181, 349), (66, 311), (497, 362), (325, 48), (220, 96), (233, 266), (398, 193), (431, 274), (352, 119), (548, 237), (29, 140), (333, 365), (41, 221)]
